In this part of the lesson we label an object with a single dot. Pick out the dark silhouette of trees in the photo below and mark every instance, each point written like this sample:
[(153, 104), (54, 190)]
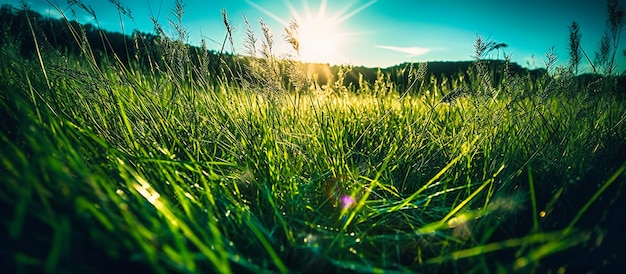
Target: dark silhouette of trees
[(72, 38)]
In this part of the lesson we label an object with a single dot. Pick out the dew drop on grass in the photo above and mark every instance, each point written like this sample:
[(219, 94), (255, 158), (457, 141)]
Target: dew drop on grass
[(352, 250)]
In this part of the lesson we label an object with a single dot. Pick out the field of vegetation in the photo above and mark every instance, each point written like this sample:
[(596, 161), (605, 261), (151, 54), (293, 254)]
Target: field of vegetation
[(166, 160)]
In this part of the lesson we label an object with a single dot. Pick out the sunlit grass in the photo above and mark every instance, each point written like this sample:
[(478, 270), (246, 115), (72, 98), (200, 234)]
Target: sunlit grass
[(106, 168)]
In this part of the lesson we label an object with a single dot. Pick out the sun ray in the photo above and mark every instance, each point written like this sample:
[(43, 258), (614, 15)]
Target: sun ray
[(322, 36), (267, 12), (357, 10), (322, 9)]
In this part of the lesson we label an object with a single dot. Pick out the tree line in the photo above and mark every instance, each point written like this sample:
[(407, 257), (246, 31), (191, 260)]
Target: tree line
[(146, 51)]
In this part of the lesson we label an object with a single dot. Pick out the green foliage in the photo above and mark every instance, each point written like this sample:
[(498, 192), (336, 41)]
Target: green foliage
[(108, 164)]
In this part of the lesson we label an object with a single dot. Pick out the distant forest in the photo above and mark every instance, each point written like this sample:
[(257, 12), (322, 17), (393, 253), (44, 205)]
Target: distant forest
[(143, 49)]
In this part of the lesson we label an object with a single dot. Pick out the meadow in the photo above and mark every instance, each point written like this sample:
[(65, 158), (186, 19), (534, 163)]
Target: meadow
[(162, 166)]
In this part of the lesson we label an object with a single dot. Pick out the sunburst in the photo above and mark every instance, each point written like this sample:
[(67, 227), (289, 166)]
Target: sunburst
[(322, 36)]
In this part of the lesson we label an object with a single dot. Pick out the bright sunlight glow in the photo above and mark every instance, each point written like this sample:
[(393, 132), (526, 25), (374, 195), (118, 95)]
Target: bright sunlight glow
[(321, 39), (321, 36)]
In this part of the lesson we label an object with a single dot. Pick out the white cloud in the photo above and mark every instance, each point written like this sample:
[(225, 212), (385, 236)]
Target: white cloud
[(52, 13), (411, 51)]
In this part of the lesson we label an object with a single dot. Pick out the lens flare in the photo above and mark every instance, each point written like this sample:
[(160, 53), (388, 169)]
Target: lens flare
[(346, 202)]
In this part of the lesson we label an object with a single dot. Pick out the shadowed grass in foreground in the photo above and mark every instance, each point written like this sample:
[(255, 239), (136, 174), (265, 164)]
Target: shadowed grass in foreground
[(106, 167)]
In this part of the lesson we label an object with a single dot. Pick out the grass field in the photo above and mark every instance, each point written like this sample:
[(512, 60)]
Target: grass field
[(107, 168)]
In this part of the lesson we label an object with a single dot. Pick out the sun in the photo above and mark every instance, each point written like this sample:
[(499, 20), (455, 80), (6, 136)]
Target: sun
[(322, 36)]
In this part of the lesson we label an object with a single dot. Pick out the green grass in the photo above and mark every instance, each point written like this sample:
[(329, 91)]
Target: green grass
[(106, 167)]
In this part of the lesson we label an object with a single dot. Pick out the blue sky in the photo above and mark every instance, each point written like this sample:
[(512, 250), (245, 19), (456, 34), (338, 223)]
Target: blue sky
[(376, 32)]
